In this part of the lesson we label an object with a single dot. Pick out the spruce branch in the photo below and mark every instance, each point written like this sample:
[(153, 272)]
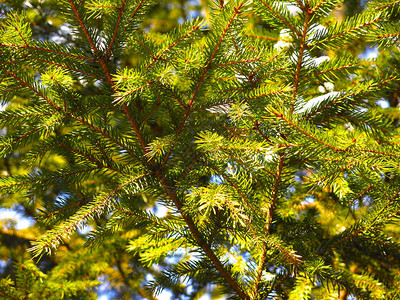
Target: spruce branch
[(58, 50), (32, 88), (264, 248), (280, 17), (200, 240)]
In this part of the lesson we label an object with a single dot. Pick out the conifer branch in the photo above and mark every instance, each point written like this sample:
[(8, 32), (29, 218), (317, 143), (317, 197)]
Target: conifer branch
[(121, 9), (109, 80), (59, 176), (83, 27), (279, 115), (9, 296), (237, 12), (368, 89), (93, 160), (134, 213), (302, 47), (357, 120), (18, 138), (156, 58), (237, 62), (236, 188), (367, 23), (65, 208), (196, 233), (267, 94), (361, 194), (263, 257), (189, 167), (280, 18), (152, 111), (30, 47), (63, 66), (102, 132), (362, 226), (53, 237), (263, 37), (200, 81), (13, 89), (173, 196), (32, 89), (200, 240), (316, 6), (133, 15), (387, 5)]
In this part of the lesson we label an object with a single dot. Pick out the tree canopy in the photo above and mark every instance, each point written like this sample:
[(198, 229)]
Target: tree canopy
[(239, 149)]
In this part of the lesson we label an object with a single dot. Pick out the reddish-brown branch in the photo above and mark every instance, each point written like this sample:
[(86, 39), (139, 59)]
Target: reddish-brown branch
[(362, 228), (211, 58), (65, 208), (200, 240), (46, 50), (269, 73), (155, 107), (330, 104), (317, 6), (175, 97), (63, 66), (131, 91), (354, 28), (93, 160), (24, 135), (281, 18), (349, 95), (9, 296), (380, 153), (116, 28), (10, 62), (32, 89), (133, 15), (133, 213), (102, 133), (148, 51), (83, 27), (20, 35), (335, 69), (189, 106), (257, 126), (10, 90), (24, 116), (307, 134), (184, 173), (267, 94), (108, 75), (353, 118), (263, 37), (213, 105), (386, 5), (346, 167), (361, 194), (155, 58), (237, 62)]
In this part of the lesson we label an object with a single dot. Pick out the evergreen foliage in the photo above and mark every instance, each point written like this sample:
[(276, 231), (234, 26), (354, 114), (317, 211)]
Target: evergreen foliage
[(257, 128)]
